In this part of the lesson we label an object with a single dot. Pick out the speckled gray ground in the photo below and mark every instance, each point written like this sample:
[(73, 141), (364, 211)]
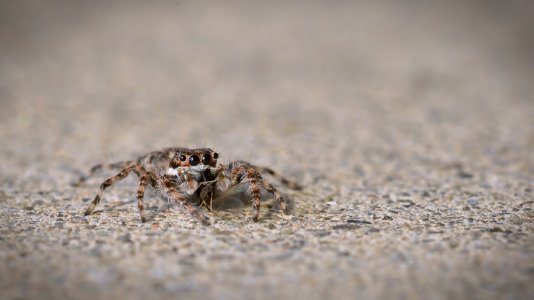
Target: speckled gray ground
[(409, 124)]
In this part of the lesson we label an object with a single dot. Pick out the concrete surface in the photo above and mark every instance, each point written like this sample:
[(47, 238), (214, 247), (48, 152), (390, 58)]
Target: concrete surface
[(410, 124)]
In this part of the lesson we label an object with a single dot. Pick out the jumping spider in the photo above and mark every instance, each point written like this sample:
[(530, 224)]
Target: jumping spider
[(185, 175)]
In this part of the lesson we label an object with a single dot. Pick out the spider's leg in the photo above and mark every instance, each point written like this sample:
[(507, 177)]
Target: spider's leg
[(144, 179), (242, 172), (107, 183), (97, 168), (290, 184), (271, 189), (169, 187)]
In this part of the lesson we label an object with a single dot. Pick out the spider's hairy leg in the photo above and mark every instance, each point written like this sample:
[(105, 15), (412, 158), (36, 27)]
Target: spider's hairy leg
[(97, 168), (270, 188), (107, 183), (245, 173), (170, 189), (144, 179), (290, 184)]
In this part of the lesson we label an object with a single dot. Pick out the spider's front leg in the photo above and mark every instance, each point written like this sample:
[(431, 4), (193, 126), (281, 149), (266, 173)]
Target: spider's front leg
[(243, 172), (169, 186)]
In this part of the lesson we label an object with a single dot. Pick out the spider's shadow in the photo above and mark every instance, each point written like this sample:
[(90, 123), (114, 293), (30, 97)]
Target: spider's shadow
[(240, 200)]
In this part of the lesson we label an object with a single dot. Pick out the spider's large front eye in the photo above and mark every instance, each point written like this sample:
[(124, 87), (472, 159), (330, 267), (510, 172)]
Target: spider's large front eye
[(206, 159), (182, 157), (194, 160)]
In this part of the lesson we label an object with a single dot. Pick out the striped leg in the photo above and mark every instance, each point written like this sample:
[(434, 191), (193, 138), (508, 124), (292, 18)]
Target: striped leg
[(110, 181), (245, 173), (281, 201), (144, 179), (169, 187)]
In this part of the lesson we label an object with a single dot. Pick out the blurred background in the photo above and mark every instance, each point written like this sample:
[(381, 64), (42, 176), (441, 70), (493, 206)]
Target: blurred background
[(82, 80), (365, 96)]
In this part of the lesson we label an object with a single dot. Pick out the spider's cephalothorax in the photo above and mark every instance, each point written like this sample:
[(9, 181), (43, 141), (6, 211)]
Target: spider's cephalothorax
[(183, 174)]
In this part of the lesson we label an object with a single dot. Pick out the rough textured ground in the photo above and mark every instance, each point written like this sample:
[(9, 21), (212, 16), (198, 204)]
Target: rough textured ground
[(409, 124)]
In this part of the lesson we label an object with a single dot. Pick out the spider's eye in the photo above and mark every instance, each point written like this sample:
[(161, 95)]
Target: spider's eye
[(206, 159), (194, 160), (182, 157), (215, 155)]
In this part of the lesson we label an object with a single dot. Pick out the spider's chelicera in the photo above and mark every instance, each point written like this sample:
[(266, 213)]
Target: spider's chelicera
[(185, 175)]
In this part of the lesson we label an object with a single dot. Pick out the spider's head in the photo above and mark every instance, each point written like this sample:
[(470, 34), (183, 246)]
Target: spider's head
[(201, 158)]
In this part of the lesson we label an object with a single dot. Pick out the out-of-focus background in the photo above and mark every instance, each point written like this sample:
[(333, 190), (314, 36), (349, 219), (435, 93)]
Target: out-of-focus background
[(410, 124)]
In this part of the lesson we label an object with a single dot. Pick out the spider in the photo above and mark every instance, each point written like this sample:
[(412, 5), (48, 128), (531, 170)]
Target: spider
[(185, 175)]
